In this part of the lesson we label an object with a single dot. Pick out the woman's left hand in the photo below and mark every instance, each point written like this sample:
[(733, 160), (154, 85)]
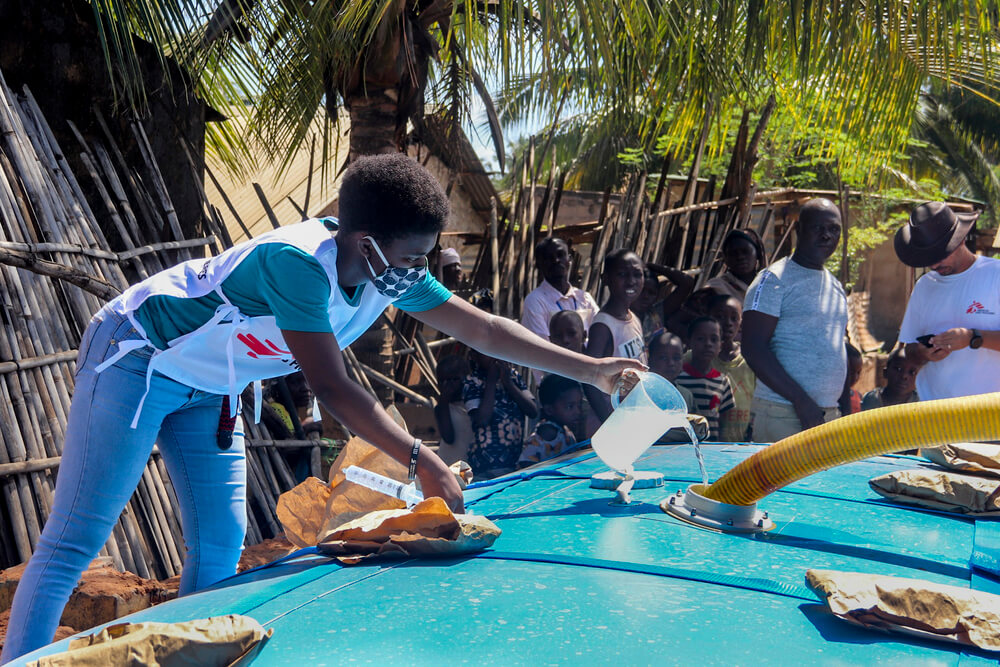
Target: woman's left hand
[(613, 373)]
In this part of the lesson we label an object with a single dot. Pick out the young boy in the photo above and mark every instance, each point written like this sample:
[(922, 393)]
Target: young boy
[(566, 330), (713, 394), (454, 423), (901, 383), (728, 312), (562, 405), (850, 400), (497, 400), (666, 359), (616, 331)]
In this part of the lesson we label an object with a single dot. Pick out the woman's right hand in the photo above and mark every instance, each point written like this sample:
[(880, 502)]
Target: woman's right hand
[(613, 373), (437, 480)]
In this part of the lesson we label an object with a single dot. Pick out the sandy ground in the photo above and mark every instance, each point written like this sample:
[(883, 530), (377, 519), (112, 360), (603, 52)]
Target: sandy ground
[(105, 594)]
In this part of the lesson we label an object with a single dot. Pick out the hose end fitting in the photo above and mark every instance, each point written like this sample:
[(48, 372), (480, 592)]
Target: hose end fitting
[(694, 508)]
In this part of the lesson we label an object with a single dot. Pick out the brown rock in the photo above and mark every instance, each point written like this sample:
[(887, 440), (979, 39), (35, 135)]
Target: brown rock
[(105, 594), (102, 595), (10, 577)]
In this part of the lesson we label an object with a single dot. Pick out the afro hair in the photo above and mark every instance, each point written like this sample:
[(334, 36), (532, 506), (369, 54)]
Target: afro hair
[(554, 386), (391, 196)]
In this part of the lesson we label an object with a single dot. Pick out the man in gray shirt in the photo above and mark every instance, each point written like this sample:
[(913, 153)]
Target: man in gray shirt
[(794, 321)]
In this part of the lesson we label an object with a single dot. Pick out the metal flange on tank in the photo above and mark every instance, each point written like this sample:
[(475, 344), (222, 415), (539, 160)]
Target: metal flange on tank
[(692, 507)]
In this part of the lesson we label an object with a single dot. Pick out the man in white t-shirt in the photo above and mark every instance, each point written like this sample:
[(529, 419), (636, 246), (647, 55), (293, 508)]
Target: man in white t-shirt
[(952, 322), (794, 321), (555, 293)]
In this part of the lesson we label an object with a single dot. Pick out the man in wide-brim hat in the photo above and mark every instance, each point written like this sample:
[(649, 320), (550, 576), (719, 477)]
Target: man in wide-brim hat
[(952, 322)]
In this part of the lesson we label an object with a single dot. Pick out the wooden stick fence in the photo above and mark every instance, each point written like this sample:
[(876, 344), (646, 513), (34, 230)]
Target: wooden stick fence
[(48, 225)]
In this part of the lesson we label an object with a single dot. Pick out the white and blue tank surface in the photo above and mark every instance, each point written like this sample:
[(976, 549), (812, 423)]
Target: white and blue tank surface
[(575, 579)]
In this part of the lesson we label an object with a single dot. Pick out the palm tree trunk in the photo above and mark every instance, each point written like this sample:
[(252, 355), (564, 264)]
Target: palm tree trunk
[(376, 126)]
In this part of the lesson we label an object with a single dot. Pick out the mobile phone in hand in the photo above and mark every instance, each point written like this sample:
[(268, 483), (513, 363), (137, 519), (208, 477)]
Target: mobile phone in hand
[(925, 340)]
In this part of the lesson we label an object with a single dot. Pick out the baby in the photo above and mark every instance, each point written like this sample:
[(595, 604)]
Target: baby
[(453, 421), (562, 405)]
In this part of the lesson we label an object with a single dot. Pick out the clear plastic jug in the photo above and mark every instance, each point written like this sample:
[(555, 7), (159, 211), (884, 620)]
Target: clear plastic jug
[(652, 408)]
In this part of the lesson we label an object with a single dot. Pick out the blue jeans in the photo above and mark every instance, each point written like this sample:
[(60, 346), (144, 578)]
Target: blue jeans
[(102, 463)]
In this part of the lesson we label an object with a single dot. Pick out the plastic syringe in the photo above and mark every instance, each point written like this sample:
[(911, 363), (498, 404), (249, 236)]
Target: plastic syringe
[(406, 492)]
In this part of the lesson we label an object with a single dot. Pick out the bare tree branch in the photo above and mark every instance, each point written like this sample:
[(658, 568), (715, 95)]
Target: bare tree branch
[(42, 267)]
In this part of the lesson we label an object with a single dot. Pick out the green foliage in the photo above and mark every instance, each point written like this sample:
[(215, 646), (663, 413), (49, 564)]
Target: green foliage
[(873, 222), (846, 77), (633, 72)]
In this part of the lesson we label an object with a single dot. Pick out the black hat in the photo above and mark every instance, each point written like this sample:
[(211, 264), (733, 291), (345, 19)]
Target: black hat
[(933, 232)]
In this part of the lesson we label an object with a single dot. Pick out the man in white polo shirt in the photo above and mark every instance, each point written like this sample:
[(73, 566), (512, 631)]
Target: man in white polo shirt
[(555, 293), (952, 322)]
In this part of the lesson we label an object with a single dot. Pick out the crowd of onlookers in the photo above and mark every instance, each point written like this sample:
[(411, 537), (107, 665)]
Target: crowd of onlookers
[(758, 353), (712, 343)]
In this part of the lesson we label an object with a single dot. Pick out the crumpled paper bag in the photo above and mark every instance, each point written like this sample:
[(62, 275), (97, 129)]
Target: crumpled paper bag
[(462, 472), (977, 458), (302, 511), (315, 507), (913, 606), (312, 507), (305, 510), (222, 640), (940, 490), (429, 529)]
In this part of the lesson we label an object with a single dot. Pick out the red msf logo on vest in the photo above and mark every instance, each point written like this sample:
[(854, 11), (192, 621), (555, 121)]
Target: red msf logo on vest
[(977, 308), (267, 349)]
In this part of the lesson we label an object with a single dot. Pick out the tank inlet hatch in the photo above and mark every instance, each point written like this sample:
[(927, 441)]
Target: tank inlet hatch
[(692, 507)]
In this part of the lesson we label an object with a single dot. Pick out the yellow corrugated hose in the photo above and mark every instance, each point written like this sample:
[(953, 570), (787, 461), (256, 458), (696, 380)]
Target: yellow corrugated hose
[(858, 436)]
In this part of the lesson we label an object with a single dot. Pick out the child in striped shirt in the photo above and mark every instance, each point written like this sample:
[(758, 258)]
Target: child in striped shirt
[(713, 394)]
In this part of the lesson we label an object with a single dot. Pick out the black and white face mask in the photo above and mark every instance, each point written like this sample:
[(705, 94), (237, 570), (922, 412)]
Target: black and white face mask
[(393, 282)]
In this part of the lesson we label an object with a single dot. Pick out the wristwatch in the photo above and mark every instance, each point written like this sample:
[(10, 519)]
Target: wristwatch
[(976, 341)]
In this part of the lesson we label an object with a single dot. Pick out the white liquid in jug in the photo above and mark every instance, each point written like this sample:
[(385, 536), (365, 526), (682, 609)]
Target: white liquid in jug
[(629, 432)]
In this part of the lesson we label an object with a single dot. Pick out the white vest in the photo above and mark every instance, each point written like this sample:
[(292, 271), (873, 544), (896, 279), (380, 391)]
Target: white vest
[(232, 350)]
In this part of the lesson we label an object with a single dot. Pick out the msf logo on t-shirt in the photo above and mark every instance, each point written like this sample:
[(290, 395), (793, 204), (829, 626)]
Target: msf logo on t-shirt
[(977, 308)]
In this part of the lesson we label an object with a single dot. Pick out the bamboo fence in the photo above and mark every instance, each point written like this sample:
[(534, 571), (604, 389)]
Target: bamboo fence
[(58, 266), (682, 233)]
